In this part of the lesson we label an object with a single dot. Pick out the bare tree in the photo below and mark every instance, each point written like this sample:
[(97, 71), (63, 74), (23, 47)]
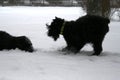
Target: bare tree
[(98, 7), (12, 2), (106, 8), (1, 2)]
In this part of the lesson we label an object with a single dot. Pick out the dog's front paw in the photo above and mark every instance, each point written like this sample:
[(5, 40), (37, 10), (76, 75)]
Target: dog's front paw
[(95, 54)]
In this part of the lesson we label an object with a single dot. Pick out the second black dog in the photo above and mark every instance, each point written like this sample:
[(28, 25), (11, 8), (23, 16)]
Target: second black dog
[(87, 29), (8, 42)]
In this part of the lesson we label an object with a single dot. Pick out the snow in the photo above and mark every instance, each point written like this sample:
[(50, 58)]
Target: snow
[(47, 62)]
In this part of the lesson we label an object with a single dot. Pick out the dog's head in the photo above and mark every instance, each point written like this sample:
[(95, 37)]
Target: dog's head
[(24, 43), (54, 28)]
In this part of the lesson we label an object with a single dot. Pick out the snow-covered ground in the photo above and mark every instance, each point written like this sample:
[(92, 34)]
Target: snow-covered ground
[(48, 63)]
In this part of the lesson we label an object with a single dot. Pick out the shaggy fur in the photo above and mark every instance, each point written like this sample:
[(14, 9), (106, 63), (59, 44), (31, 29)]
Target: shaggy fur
[(8, 42), (87, 29)]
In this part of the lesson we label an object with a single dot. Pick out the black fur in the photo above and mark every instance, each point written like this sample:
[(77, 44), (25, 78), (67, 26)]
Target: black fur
[(86, 29), (8, 42)]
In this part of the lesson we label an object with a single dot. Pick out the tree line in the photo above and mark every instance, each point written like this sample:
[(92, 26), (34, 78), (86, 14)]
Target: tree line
[(93, 7), (42, 2)]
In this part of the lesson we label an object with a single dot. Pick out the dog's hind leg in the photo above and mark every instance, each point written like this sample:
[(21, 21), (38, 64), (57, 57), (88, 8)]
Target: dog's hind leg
[(97, 48)]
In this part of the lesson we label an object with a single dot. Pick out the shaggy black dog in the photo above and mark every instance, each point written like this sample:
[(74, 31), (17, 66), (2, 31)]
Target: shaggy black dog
[(8, 42), (87, 29)]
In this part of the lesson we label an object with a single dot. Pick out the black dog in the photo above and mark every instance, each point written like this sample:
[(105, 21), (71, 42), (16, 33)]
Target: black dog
[(8, 42), (87, 29)]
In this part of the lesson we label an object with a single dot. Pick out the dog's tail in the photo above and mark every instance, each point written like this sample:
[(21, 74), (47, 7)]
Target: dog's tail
[(107, 21)]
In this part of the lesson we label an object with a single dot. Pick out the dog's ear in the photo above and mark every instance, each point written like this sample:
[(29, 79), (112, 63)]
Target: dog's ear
[(47, 25), (56, 17)]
